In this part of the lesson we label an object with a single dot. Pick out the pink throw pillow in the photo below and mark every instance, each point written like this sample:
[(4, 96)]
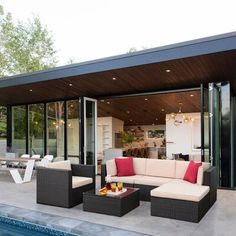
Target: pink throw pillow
[(191, 172), (124, 166)]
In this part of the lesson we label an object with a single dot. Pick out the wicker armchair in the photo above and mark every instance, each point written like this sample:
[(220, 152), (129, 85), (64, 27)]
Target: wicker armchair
[(54, 186)]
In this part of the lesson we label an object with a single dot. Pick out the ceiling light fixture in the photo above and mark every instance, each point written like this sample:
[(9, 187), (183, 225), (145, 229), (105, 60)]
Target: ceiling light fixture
[(162, 109), (191, 95), (127, 112), (108, 103), (70, 85), (179, 118), (168, 70), (146, 99), (114, 78), (31, 90)]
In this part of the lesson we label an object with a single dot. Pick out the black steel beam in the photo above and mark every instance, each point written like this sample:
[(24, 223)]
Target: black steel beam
[(45, 118), (81, 146), (9, 127), (27, 130), (65, 130)]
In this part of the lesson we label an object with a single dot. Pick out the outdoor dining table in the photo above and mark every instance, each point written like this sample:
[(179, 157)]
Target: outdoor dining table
[(15, 172), (18, 159)]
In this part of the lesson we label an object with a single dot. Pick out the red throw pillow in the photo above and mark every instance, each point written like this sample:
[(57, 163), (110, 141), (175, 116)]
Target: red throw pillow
[(191, 172), (124, 166)]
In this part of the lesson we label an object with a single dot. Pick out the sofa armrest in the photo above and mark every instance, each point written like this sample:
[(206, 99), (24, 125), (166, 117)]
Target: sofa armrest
[(53, 178), (210, 178), (103, 175), (84, 170)]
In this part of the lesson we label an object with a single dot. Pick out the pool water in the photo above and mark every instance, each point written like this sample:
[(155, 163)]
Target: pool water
[(12, 227), (10, 230)]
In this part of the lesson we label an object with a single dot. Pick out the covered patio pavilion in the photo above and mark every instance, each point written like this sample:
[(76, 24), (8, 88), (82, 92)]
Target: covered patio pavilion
[(184, 66)]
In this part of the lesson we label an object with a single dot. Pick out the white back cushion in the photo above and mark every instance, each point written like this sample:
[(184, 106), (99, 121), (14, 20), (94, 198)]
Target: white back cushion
[(49, 157), (111, 167), (161, 168), (200, 174), (64, 165), (139, 166), (181, 167)]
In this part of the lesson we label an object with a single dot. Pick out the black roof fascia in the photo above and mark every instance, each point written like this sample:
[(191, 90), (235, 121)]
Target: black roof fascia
[(209, 45)]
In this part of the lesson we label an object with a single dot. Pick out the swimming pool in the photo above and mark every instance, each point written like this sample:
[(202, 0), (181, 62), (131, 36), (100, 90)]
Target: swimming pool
[(12, 227)]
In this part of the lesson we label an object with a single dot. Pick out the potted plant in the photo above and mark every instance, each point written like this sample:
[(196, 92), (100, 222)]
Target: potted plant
[(128, 137)]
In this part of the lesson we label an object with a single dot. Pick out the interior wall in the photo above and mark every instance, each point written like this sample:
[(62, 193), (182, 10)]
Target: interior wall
[(117, 126), (107, 127), (185, 138), (146, 128)]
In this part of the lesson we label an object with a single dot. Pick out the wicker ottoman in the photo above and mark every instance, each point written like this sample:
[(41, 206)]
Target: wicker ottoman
[(180, 200)]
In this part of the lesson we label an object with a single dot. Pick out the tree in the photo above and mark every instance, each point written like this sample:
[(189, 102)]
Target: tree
[(25, 46), (134, 49)]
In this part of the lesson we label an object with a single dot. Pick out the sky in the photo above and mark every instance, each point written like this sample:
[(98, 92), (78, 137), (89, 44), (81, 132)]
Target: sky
[(90, 29)]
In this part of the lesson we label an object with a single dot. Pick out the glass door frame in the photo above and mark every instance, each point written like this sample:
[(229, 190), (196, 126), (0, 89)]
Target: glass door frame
[(84, 151)]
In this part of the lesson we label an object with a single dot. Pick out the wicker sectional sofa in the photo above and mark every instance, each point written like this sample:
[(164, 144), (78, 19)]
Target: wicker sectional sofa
[(161, 182)]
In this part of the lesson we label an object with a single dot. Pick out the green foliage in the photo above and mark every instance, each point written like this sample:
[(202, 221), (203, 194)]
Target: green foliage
[(131, 50), (3, 124), (127, 137), (25, 46)]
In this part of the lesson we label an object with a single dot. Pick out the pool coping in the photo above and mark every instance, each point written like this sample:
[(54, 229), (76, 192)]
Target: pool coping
[(64, 224)]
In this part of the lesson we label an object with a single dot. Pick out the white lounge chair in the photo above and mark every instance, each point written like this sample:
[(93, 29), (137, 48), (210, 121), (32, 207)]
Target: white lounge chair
[(44, 162), (23, 164), (36, 156)]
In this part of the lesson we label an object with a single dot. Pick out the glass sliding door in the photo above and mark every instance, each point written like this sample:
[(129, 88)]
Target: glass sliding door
[(73, 131), (18, 130), (56, 126), (3, 131), (205, 131), (36, 129), (215, 121), (90, 131)]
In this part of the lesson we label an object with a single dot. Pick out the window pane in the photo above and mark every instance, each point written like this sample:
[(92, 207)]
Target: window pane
[(73, 131), (18, 130), (56, 130), (3, 130), (36, 129)]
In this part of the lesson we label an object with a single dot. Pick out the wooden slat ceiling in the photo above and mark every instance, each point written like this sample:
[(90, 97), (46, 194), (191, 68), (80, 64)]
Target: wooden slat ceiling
[(185, 73), (148, 110)]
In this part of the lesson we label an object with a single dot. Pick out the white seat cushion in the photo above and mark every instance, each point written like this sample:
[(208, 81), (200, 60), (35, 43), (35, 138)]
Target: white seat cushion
[(151, 180), (123, 179), (64, 165), (162, 168), (182, 190), (139, 166), (78, 181)]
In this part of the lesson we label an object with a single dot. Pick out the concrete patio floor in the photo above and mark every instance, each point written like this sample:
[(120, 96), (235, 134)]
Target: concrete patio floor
[(219, 221)]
